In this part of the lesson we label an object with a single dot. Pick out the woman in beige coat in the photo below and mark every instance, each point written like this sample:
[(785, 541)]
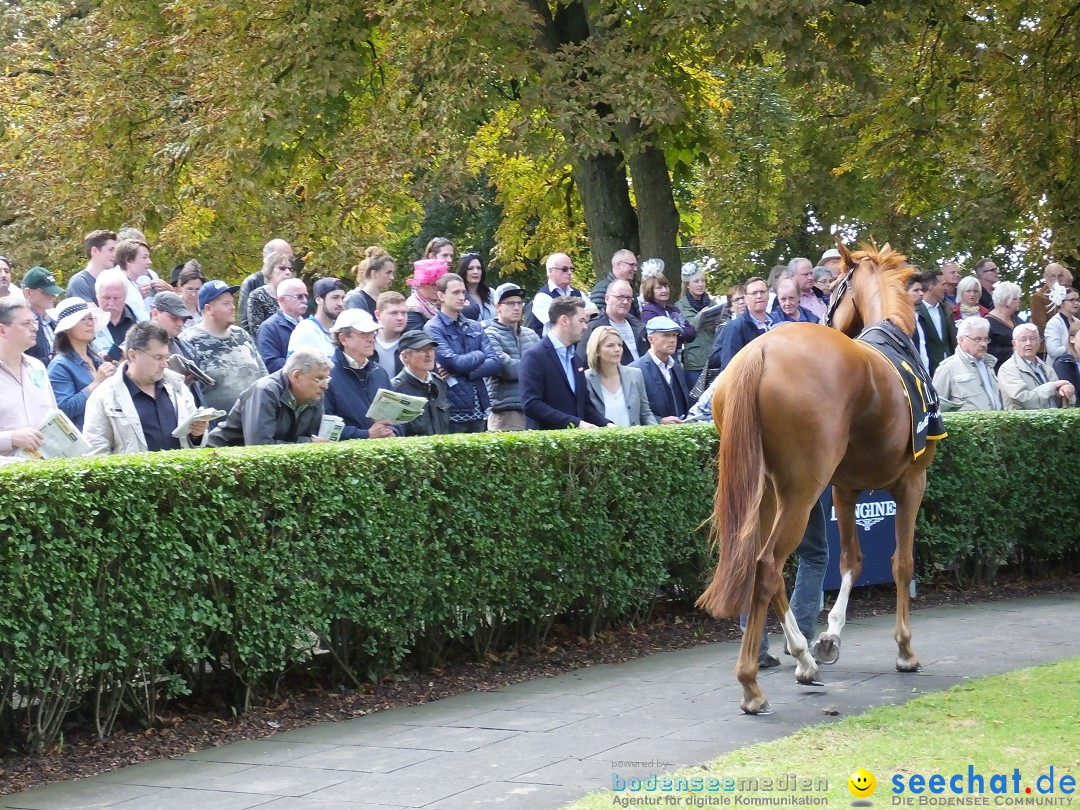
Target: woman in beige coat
[(616, 390)]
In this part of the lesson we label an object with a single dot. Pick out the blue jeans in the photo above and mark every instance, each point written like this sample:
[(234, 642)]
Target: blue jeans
[(691, 377), (805, 601)]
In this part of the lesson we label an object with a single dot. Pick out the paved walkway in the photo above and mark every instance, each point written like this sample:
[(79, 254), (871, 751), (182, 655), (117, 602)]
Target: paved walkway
[(545, 743)]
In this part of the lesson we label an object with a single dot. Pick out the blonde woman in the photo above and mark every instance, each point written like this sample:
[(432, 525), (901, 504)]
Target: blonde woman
[(617, 391), (968, 290)]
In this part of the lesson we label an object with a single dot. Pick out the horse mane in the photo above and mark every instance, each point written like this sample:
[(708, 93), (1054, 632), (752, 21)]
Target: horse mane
[(892, 273)]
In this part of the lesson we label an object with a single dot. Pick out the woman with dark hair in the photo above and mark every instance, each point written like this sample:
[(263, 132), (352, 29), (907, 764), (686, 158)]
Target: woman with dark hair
[(189, 281), (374, 275), (77, 370), (481, 306), (1056, 332), (656, 291)]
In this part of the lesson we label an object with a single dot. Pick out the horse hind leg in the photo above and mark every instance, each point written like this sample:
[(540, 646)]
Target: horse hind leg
[(767, 580), (784, 534), (827, 647), (806, 668), (908, 494)]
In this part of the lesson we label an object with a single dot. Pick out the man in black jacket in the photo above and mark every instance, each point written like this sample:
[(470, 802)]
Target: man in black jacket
[(617, 301), (417, 379), (281, 408)]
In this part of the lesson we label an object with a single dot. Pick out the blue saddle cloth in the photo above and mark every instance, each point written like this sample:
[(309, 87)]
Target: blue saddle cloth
[(889, 340)]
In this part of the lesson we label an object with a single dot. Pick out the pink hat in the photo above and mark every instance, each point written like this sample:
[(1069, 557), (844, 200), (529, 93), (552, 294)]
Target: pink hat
[(427, 271)]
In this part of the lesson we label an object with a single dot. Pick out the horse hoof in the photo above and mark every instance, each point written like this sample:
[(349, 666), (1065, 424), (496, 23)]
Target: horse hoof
[(763, 709), (809, 682), (826, 649), (908, 666)]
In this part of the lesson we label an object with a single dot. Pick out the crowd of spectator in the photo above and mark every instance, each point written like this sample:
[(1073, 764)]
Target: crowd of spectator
[(129, 356)]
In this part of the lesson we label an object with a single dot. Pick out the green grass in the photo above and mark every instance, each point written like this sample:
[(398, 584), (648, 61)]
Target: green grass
[(1026, 720)]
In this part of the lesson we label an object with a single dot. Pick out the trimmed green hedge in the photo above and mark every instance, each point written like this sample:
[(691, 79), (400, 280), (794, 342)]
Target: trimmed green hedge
[(1001, 491), (120, 576), (125, 581)]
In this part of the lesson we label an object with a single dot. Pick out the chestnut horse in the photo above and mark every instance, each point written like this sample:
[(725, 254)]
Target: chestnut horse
[(799, 408)]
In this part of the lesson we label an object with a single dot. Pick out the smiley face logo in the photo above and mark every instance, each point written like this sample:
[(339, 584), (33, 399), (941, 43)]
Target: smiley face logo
[(862, 783)]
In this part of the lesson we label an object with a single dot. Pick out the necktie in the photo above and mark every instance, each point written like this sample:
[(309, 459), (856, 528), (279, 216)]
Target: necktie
[(568, 366)]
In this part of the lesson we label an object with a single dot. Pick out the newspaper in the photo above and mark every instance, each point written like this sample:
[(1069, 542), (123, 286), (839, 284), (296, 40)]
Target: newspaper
[(394, 407), (62, 439), (198, 415), (713, 310), (331, 427)]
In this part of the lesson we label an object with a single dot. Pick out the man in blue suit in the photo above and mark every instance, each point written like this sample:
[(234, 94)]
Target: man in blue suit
[(751, 324), (665, 384), (554, 393)]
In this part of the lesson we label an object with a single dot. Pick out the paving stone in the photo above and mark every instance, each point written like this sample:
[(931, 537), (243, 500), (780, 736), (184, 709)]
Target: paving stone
[(393, 788), (180, 773), (363, 758), (520, 720), (345, 732), (307, 803), (186, 799), (77, 794), (277, 781), (509, 796), (446, 739), (268, 751)]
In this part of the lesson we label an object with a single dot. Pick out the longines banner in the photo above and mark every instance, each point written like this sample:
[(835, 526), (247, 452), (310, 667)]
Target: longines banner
[(875, 516)]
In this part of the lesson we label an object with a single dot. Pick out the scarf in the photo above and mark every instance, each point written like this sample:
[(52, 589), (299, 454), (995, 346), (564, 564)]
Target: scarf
[(418, 303), (967, 311), (698, 303)]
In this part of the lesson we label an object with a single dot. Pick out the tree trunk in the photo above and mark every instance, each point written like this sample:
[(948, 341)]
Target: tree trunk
[(609, 217), (658, 218)]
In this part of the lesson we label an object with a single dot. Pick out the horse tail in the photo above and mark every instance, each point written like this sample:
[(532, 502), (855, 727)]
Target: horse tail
[(740, 487)]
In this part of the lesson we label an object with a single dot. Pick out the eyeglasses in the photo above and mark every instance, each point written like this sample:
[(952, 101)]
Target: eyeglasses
[(628, 264), (160, 358), (569, 269), (1070, 300), (738, 300), (30, 324), (989, 270), (297, 296), (284, 267), (622, 297), (975, 339), (516, 303), (322, 380)]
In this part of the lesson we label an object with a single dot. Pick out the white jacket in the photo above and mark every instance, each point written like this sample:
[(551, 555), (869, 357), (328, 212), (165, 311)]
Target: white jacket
[(1056, 336), (112, 425)]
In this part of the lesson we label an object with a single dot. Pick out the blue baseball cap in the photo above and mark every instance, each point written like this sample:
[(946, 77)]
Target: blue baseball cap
[(662, 324), (212, 289)]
